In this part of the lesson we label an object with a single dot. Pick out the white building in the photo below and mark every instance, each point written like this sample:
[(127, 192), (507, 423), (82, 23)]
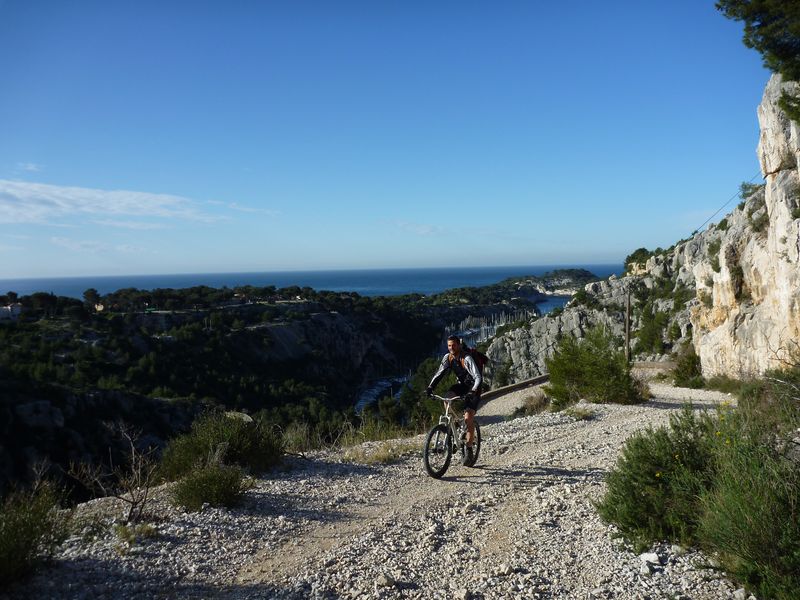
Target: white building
[(10, 312)]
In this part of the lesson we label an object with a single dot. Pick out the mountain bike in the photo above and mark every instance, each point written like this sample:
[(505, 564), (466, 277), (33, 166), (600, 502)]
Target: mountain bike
[(447, 438)]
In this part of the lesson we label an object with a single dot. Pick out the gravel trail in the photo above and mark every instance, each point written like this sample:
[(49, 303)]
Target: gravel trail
[(519, 525)]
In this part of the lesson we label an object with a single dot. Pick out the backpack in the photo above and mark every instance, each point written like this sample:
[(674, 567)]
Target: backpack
[(479, 357)]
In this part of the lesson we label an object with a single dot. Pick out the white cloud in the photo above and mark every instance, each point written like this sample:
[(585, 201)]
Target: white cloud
[(25, 202), (246, 209), (30, 167), (138, 225)]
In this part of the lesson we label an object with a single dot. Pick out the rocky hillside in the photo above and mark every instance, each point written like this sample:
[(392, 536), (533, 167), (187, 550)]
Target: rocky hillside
[(731, 290)]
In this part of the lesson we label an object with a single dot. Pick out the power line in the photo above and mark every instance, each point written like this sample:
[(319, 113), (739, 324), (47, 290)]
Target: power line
[(724, 205)]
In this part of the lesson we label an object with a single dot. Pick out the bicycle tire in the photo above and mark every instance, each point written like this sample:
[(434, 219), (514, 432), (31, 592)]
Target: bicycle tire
[(438, 451)]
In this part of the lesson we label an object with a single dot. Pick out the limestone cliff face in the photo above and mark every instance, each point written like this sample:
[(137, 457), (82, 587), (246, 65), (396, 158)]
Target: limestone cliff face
[(732, 290), (520, 354), (749, 318)]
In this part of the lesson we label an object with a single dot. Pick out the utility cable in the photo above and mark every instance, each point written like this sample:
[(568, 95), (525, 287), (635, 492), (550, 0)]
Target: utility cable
[(724, 205)]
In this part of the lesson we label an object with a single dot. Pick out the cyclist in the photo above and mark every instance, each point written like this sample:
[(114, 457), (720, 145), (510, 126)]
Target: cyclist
[(469, 385)]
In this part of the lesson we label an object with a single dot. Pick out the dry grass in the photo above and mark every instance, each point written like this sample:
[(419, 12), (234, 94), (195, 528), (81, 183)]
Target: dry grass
[(580, 413), (381, 452), (533, 404)]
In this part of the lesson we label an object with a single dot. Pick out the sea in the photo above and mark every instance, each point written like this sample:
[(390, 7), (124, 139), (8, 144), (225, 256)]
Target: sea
[(367, 282)]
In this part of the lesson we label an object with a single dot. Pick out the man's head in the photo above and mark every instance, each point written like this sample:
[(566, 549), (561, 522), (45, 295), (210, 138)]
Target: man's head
[(453, 345)]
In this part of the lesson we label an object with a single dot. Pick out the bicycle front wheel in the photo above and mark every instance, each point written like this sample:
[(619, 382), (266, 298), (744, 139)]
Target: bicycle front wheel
[(438, 451)]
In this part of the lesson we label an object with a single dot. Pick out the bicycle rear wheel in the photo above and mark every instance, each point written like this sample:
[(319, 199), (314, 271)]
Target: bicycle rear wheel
[(438, 451)]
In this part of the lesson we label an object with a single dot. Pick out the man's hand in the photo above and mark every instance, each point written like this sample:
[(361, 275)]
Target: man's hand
[(429, 391)]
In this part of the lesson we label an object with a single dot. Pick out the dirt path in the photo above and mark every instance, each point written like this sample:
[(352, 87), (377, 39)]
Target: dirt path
[(522, 524)]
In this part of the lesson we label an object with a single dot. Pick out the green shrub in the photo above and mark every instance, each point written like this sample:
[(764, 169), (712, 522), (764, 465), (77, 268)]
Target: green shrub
[(740, 291), (584, 298), (706, 299), (747, 189), (729, 483), (650, 337), (502, 376), (713, 254), (215, 483), (722, 383), (652, 491), (591, 368), (750, 517), (637, 257), (760, 222), (252, 445), (30, 529), (723, 225), (687, 371)]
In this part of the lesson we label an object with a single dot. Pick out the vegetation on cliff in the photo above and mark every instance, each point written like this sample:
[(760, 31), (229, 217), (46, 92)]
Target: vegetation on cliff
[(772, 27)]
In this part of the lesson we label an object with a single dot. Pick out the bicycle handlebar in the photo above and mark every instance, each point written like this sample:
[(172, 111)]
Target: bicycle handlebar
[(443, 399)]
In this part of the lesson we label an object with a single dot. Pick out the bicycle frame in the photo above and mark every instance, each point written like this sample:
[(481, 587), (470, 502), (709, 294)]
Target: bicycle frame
[(450, 418)]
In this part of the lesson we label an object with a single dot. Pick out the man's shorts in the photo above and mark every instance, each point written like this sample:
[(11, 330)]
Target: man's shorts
[(462, 389)]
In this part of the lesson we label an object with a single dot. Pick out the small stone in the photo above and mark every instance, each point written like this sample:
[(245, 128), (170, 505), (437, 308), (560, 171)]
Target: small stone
[(385, 580), (677, 550), (650, 557), (505, 570), (644, 569), (463, 594), (740, 594)]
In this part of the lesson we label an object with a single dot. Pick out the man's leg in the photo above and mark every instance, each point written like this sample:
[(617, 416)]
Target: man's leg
[(469, 418)]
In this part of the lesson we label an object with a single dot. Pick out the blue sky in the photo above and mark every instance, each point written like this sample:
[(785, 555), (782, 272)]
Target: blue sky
[(176, 137)]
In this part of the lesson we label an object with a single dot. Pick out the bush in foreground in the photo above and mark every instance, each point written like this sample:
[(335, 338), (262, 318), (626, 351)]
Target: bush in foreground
[(750, 517), (215, 483), (30, 529), (591, 368), (732, 486), (252, 445), (653, 488)]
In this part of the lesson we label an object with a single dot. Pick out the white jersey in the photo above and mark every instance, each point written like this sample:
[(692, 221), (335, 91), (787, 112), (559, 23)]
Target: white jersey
[(464, 367)]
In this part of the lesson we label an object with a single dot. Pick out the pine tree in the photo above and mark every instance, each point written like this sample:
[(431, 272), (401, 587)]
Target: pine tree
[(772, 27)]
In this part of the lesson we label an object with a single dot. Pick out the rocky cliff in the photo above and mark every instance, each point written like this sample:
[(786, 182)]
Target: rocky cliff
[(732, 290), (751, 323)]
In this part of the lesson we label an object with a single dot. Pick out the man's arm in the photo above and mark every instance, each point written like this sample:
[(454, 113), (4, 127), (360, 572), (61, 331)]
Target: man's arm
[(474, 372), (443, 366)]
